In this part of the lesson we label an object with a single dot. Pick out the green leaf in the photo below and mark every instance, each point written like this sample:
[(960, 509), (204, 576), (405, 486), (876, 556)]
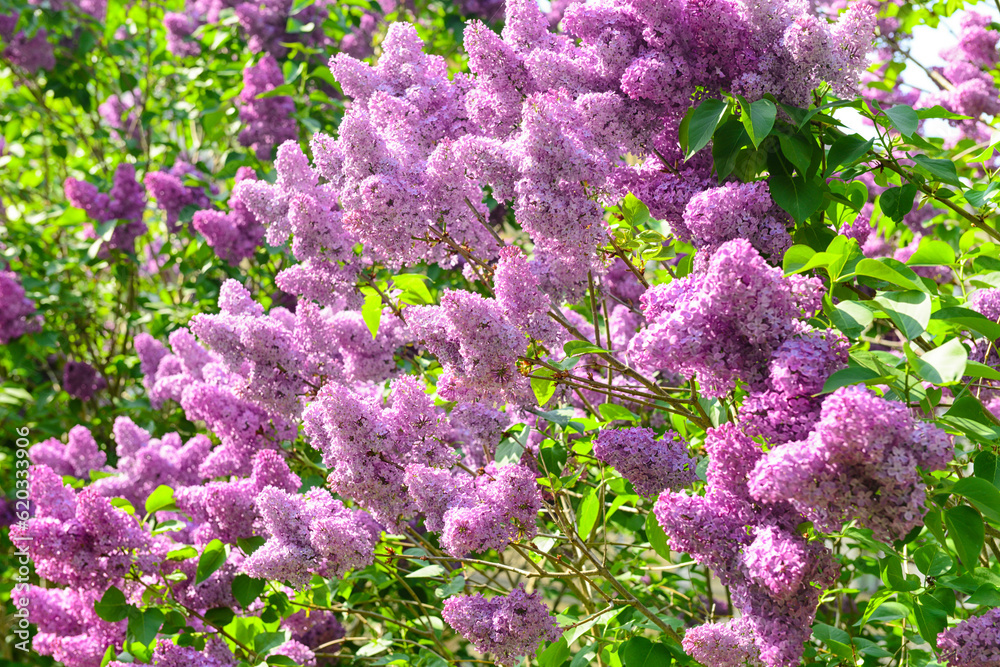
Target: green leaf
[(265, 641), (986, 595), (965, 527), (797, 196), (371, 312), (942, 365), (838, 641), (942, 170), (575, 348), (112, 606), (796, 258), (555, 654), (219, 616), (250, 544), (980, 493), (283, 90), (903, 118), (453, 587), (109, 655), (542, 386), (932, 252), (851, 317), (657, 536), (985, 467), (144, 625), (586, 516), (758, 119), (846, 150), (931, 617), (123, 504), (730, 138), (701, 125), (212, 558), (427, 572), (161, 498), (910, 311), (247, 589), (612, 412), (798, 149), (846, 377), (931, 561), (970, 320), (182, 553), (886, 271), (897, 202), (171, 526), (640, 652)]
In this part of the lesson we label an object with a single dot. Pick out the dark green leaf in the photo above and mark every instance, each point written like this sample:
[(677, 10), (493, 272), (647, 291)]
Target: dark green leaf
[(640, 652), (942, 170), (798, 197), (903, 118), (144, 625), (965, 527), (112, 607), (219, 616), (657, 536), (758, 119), (247, 589), (212, 558), (982, 494), (897, 202), (701, 125), (845, 151), (729, 140)]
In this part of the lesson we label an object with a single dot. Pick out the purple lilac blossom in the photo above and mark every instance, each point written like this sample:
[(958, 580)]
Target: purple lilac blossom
[(859, 462), (125, 203), (508, 627), (651, 465), (736, 210), (81, 380), (77, 539), (69, 630), (172, 195), (17, 312), (726, 322), (311, 533), (477, 346), (268, 122), (77, 457), (236, 235), (789, 406), (975, 642)]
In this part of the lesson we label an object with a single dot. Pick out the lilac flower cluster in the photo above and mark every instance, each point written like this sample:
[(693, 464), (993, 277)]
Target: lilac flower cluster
[(790, 404), (975, 642), (29, 53), (236, 235), (973, 91), (77, 457), (367, 445), (736, 210), (172, 195), (477, 346), (310, 533), (268, 122), (264, 25), (77, 539), (298, 205), (81, 380), (118, 111), (69, 630), (17, 312), (860, 462), (774, 574), (508, 627), (208, 392), (125, 203), (651, 465), (726, 322), (544, 118)]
